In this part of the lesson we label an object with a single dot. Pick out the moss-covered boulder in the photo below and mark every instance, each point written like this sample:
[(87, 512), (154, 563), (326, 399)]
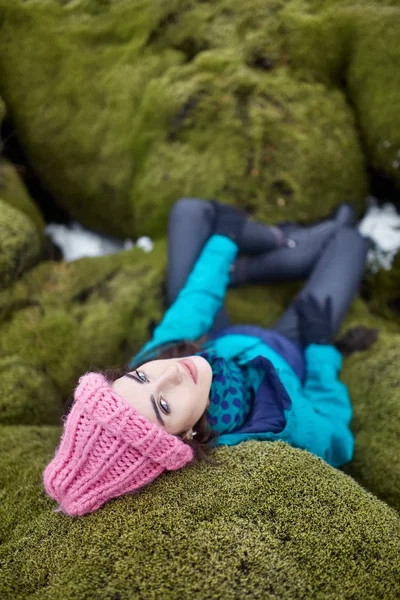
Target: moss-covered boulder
[(128, 106), (356, 45), (14, 193), (268, 522), (28, 393), (22, 237), (384, 292), (374, 384), (20, 245), (62, 319)]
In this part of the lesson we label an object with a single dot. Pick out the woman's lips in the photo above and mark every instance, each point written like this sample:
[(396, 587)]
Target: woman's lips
[(191, 367)]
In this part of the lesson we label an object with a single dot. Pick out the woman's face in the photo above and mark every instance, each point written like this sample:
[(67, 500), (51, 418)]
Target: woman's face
[(173, 393)]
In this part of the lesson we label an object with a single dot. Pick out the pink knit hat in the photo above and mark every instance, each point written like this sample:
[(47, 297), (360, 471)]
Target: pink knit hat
[(107, 449)]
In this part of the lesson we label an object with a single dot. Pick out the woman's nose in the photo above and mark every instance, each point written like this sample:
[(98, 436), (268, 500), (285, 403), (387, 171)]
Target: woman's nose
[(170, 377)]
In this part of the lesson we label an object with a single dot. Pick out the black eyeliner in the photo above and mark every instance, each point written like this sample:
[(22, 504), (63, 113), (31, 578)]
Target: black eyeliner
[(134, 377), (159, 417)]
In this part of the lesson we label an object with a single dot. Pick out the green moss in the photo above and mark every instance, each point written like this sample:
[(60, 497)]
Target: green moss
[(385, 292), (270, 521), (13, 192), (147, 104), (355, 44), (271, 143), (27, 394), (373, 381), (20, 244), (22, 451), (62, 319), (362, 314), (371, 81), (270, 300)]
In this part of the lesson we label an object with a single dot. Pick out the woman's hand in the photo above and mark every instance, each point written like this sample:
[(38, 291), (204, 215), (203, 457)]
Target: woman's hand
[(229, 221), (315, 320)]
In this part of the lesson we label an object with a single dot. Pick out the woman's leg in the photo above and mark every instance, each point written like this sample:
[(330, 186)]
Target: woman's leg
[(296, 259), (190, 225), (257, 238), (337, 274)]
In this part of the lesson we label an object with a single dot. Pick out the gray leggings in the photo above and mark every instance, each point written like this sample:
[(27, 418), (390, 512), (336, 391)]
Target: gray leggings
[(337, 273), (190, 225)]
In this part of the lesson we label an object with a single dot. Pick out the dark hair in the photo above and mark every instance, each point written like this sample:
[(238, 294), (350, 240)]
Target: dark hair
[(356, 339), (204, 439)]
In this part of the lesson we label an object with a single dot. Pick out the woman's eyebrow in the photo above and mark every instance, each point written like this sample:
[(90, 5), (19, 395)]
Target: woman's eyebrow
[(157, 412)]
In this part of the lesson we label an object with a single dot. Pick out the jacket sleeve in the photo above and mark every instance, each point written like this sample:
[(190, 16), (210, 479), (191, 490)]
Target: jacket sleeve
[(193, 312), (330, 434)]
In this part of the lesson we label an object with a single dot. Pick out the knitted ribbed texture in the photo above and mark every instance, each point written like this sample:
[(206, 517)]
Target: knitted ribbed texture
[(107, 449)]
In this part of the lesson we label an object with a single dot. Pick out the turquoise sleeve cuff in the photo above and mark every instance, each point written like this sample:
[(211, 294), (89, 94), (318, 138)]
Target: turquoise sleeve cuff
[(222, 243), (323, 353)]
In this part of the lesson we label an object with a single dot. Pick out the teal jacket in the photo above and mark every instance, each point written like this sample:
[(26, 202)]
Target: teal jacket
[(319, 413)]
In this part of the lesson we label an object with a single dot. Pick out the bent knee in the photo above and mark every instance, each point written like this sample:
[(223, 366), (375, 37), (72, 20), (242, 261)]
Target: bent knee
[(193, 208)]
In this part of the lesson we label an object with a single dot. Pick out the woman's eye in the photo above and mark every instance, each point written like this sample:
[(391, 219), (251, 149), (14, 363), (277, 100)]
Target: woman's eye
[(164, 406), (141, 376)]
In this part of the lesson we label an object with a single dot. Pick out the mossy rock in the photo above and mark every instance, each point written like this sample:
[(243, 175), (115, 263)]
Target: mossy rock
[(132, 106), (384, 291), (13, 192), (28, 394), (356, 44), (20, 244), (374, 385), (268, 522), (62, 319)]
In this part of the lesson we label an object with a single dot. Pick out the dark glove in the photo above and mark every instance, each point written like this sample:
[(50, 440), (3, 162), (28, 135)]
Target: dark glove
[(228, 221), (315, 320)]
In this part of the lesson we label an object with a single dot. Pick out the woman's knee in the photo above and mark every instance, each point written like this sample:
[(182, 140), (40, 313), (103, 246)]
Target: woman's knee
[(192, 208)]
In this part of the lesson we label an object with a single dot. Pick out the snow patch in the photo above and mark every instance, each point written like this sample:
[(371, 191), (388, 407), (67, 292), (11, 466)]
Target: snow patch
[(76, 242), (382, 225)]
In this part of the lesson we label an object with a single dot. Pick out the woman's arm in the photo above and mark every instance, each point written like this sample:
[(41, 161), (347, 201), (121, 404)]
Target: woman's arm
[(193, 312), (330, 434)]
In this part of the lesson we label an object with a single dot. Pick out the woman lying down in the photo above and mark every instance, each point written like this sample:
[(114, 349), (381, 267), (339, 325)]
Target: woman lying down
[(201, 382)]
